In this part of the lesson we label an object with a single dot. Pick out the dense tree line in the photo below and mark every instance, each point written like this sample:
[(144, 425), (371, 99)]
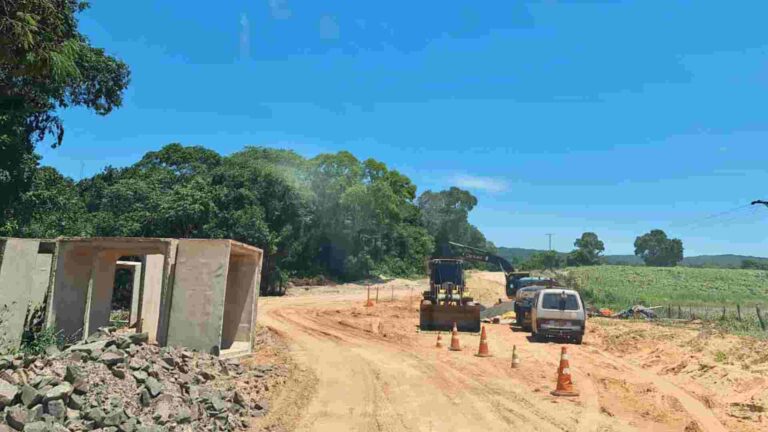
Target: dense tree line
[(332, 214)]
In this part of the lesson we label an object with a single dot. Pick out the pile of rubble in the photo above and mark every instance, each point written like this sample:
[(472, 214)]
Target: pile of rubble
[(121, 383)]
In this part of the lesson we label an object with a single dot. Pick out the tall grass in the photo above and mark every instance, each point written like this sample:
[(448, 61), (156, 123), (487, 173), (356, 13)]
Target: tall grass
[(623, 286)]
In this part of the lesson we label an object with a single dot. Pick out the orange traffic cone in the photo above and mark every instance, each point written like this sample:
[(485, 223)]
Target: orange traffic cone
[(482, 350), (564, 381), (515, 360), (439, 343), (455, 345)]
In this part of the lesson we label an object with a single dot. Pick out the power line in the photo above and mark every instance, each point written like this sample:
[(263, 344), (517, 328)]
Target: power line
[(713, 216)]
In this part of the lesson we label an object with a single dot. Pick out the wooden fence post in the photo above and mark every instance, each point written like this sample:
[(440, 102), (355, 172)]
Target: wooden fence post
[(738, 311), (723, 313), (669, 311), (679, 312), (760, 317)]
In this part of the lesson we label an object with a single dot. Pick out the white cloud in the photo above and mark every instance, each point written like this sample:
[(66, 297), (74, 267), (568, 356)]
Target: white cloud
[(329, 28), (487, 184), (245, 37), (279, 9)]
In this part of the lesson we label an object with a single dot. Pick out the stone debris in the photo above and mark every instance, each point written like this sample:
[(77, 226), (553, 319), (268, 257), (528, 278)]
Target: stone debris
[(121, 383)]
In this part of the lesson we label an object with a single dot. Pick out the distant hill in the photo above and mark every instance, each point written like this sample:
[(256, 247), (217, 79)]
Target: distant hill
[(517, 255)]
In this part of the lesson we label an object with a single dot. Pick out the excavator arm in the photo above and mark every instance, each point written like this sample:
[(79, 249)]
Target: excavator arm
[(469, 253)]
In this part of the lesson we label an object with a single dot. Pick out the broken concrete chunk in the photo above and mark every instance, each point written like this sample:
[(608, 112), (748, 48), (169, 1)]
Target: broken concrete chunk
[(129, 425), (9, 377), (144, 398), (139, 338), (118, 371), (153, 386), (169, 360), (57, 409), (111, 358), (16, 417), (61, 391), (35, 413), (77, 402), (30, 396), (75, 376), (52, 350), (140, 376), (96, 415), (115, 418), (88, 348), (136, 364), (8, 393), (37, 426)]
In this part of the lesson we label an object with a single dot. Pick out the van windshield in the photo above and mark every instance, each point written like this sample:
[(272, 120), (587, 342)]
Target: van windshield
[(559, 302)]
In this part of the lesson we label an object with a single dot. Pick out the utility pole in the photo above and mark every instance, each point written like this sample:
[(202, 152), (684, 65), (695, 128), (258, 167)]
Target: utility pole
[(550, 240)]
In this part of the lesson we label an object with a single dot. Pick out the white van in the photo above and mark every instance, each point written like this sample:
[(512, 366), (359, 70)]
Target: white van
[(558, 312)]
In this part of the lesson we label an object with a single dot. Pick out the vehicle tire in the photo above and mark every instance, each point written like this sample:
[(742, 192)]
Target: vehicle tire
[(577, 340), (526, 327)]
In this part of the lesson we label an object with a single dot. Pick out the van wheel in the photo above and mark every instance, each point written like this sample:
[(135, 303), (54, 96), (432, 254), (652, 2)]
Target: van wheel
[(577, 339)]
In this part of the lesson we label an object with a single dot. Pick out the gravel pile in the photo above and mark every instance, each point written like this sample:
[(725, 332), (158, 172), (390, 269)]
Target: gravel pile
[(120, 383)]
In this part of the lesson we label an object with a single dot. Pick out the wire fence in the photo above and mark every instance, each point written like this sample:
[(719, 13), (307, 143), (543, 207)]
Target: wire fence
[(740, 317)]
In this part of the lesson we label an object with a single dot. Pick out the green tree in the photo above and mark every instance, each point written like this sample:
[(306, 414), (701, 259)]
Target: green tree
[(754, 264), (46, 65), (543, 260), (445, 214), (167, 193), (656, 249), (588, 250), (52, 207)]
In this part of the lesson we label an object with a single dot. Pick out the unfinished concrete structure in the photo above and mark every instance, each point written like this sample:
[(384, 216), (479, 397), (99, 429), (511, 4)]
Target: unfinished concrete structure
[(25, 269), (201, 294), (84, 282), (215, 292)]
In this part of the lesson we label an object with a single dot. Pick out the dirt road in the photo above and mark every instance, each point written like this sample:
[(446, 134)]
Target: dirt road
[(372, 371)]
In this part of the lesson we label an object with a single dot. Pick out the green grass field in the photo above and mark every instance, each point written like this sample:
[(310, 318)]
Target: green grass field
[(622, 286)]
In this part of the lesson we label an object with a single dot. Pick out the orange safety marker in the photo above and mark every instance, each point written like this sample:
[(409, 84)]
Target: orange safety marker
[(439, 343), (455, 344), (482, 350), (564, 381), (515, 360)]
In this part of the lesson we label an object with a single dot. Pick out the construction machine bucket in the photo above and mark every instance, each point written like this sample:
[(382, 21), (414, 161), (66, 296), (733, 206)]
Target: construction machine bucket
[(442, 317)]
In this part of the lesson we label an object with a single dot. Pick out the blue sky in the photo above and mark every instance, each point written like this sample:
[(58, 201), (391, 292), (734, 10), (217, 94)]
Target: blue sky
[(561, 116)]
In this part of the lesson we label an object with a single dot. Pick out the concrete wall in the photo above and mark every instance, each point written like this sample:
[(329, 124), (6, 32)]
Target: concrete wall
[(197, 305), (70, 289), (41, 279), (242, 286), (18, 278), (100, 290), (151, 293)]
